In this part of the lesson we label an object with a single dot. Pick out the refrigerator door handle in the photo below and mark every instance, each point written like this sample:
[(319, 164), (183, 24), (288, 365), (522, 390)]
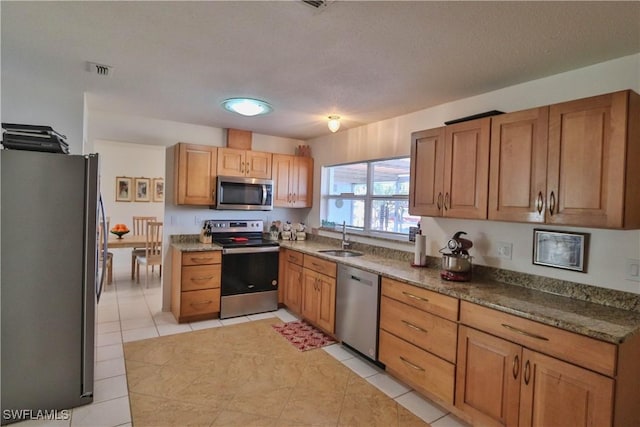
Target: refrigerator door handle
[(105, 238)]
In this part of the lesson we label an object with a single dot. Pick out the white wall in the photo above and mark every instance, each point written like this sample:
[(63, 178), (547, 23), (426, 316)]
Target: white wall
[(608, 250), (132, 160)]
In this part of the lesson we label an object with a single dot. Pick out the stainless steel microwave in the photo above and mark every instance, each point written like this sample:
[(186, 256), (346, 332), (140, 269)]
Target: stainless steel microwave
[(247, 194)]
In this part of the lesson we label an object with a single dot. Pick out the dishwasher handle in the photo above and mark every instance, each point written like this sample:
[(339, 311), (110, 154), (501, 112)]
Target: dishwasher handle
[(361, 280)]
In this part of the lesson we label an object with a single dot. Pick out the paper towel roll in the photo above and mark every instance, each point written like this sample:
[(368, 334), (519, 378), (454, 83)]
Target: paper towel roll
[(420, 252)]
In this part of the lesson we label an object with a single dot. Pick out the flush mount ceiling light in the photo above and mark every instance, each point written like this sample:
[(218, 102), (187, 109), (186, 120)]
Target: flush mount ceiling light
[(334, 123), (247, 106)]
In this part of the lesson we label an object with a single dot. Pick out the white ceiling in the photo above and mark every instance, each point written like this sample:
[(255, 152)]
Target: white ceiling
[(366, 61)]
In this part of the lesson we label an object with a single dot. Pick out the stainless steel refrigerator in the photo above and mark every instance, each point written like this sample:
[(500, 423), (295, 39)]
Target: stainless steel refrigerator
[(49, 281)]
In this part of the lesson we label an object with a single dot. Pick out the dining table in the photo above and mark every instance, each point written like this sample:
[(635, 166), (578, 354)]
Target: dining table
[(127, 241)]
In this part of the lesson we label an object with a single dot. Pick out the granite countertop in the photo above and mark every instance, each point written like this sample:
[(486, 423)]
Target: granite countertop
[(599, 321)]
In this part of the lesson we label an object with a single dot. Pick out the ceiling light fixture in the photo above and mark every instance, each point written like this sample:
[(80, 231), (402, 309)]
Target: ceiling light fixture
[(247, 106), (334, 123)]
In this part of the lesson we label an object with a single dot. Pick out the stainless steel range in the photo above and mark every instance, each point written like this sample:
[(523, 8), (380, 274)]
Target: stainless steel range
[(249, 267)]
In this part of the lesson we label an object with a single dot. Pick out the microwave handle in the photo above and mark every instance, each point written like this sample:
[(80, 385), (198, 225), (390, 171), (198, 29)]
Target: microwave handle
[(264, 194)]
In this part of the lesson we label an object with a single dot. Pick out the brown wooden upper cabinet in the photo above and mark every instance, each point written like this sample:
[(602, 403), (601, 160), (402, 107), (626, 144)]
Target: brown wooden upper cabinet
[(593, 173), (252, 164), (292, 181), (195, 172), (450, 170), (518, 172), (568, 164), (572, 163)]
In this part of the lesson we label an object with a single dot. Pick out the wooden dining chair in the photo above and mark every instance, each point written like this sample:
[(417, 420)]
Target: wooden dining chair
[(139, 228), (109, 264), (152, 252)]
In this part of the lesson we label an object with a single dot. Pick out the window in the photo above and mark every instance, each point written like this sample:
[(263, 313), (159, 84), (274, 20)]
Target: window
[(372, 196)]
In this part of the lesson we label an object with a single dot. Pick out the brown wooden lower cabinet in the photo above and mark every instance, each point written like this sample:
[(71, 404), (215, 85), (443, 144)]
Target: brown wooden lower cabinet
[(425, 372), (291, 279), (195, 285), (503, 384)]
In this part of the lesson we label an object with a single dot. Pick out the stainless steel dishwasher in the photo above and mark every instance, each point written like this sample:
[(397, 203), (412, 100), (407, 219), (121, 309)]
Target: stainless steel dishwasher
[(357, 297)]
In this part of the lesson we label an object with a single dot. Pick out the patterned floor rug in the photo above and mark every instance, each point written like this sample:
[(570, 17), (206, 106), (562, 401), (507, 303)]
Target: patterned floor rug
[(303, 336)]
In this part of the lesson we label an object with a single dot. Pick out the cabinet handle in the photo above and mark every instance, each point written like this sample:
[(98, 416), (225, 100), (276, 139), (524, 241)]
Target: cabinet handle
[(203, 259), (316, 265), (527, 372), (516, 367), (289, 198), (552, 203), (414, 327), (193, 279), (525, 333), (201, 303), (292, 259), (439, 202), (242, 168), (295, 198), (416, 367), (539, 203), (446, 202), (415, 296)]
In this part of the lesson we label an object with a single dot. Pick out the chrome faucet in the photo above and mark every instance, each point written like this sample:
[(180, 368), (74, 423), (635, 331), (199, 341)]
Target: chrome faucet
[(345, 241)]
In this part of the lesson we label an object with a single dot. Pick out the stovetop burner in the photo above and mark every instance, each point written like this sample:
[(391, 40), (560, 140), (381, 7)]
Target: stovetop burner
[(232, 233)]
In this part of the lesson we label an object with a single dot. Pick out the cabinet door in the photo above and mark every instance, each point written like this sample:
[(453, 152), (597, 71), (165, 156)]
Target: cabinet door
[(195, 169), (555, 393), (310, 300), (302, 182), (257, 164), (426, 196), (518, 175), (466, 169), (293, 287), (326, 303), (282, 170), (488, 378), (231, 162), (587, 140)]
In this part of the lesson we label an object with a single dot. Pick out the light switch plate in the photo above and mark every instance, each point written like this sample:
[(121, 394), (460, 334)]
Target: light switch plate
[(632, 269)]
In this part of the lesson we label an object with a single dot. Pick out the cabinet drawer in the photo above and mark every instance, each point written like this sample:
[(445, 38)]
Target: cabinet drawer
[(579, 349), (433, 302), (294, 256), (420, 369), (325, 267), (195, 303), (196, 277), (198, 258), (427, 331)]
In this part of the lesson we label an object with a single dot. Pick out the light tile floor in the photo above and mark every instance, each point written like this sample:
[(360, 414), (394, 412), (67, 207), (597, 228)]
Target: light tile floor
[(129, 311)]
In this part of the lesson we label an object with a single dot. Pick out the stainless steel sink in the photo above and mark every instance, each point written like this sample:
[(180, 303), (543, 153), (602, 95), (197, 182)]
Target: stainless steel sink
[(341, 252)]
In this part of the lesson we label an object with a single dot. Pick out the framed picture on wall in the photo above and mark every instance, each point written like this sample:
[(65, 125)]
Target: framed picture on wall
[(123, 189), (142, 189), (158, 189), (560, 249)]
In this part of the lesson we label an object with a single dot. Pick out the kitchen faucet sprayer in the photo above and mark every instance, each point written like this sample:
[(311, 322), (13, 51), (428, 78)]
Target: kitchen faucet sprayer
[(345, 242)]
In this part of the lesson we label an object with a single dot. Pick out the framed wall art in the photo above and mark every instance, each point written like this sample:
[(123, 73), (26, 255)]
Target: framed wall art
[(158, 189), (560, 249), (123, 189), (142, 189)]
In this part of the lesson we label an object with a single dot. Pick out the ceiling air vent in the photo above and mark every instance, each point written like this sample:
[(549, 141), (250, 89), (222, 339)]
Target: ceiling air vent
[(315, 3), (100, 69)]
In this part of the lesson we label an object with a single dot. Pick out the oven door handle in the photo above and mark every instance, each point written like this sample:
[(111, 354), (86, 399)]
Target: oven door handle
[(250, 250)]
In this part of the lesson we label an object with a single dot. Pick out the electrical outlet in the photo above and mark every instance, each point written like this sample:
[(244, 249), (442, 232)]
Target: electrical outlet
[(504, 250), (632, 269)]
